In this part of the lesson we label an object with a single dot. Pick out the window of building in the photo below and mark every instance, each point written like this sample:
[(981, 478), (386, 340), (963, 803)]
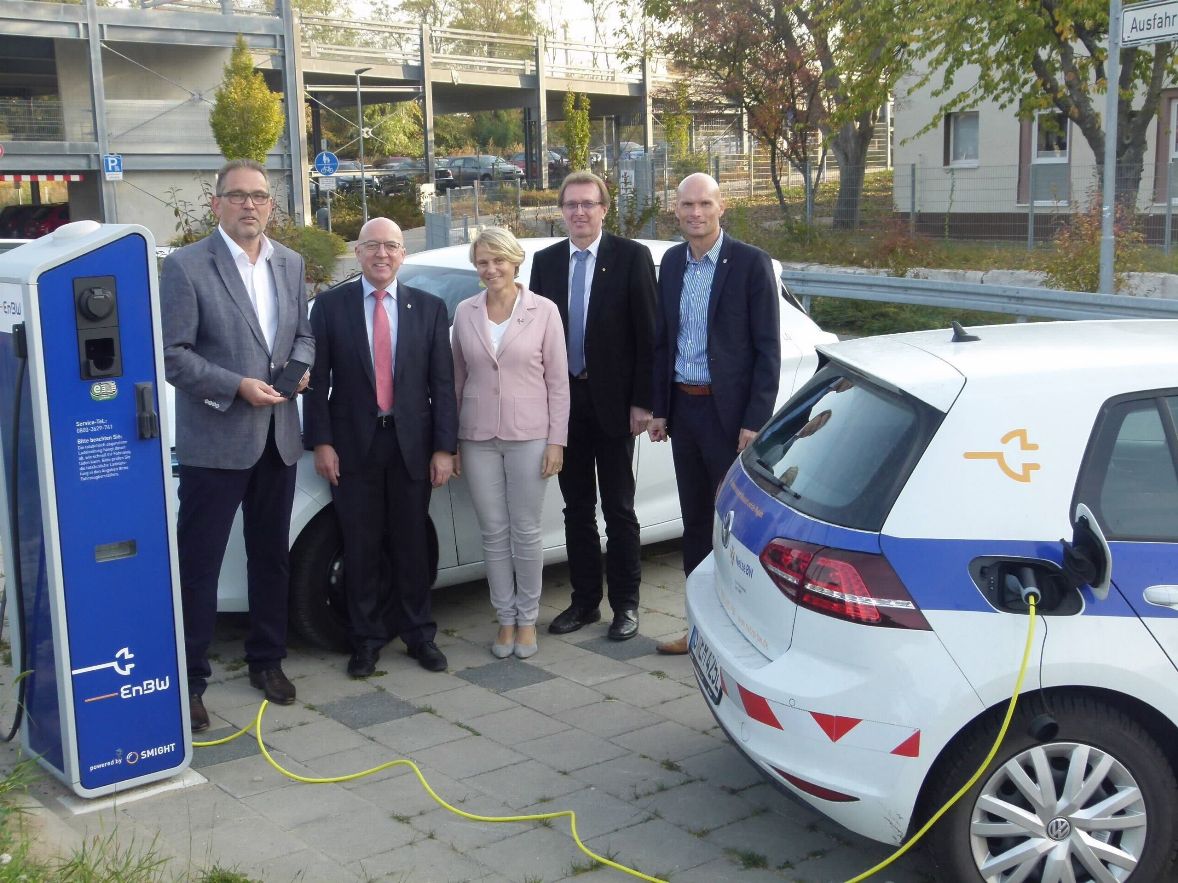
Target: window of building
[(962, 134), (1051, 137)]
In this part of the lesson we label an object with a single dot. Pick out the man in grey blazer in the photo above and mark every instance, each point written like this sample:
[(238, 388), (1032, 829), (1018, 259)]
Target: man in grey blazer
[(234, 313)]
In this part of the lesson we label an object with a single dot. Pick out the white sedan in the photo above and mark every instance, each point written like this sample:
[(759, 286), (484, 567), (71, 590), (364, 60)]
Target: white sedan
[(317, 605)]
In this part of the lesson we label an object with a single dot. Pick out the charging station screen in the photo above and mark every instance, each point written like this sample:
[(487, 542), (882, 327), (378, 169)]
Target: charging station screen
[(98, 344)]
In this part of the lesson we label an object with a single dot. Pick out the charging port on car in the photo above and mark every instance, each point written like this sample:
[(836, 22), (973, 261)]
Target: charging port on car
[(1000, 580)]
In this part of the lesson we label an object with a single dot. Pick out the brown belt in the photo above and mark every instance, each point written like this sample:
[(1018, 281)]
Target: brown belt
[(694, 389)]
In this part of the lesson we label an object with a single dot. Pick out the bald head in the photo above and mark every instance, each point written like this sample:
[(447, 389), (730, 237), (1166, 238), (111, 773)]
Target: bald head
[(698, 210), (380, 249)]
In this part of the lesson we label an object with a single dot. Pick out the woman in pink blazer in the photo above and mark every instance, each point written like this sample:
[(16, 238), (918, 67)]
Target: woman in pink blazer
[(512, 380)]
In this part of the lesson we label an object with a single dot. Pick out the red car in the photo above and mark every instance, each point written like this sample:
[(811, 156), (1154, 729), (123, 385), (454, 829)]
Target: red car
[(45, 219)]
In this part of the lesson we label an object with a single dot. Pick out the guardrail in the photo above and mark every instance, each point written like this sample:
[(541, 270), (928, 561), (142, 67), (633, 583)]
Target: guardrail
[(1040, 303)]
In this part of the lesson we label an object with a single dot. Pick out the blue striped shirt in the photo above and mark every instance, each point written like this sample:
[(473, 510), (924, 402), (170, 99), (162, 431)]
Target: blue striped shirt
[(691, 355)]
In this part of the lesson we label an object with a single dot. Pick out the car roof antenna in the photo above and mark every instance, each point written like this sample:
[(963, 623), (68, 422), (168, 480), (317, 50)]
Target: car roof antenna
[(960, 335)]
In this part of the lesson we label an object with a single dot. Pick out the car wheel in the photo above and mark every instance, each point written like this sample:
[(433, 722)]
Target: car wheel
[(318, 601), (484, 177), (1096, 801)]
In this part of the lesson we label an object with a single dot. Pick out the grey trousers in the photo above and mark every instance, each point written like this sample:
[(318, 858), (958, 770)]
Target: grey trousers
[(508, 494)]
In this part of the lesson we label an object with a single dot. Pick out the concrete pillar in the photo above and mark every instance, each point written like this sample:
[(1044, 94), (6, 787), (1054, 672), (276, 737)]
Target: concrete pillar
[(427, 101), (107, 205), (296, 122), (542, 113)]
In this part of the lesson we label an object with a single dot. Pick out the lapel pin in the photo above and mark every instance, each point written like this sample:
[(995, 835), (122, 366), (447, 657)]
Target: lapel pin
[(408, 306), (724, 261)]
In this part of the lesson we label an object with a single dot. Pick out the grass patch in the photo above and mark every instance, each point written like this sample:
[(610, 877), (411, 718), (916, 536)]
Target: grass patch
[(669, 764), (747, 859)]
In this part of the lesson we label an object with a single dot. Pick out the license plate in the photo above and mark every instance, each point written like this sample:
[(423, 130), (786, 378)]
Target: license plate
[(706, 668)]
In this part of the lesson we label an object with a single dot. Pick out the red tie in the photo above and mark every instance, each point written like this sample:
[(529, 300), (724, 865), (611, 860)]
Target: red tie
[(382, 350)]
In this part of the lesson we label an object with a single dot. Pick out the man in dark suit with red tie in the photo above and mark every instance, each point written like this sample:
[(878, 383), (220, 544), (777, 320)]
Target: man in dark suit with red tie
[(604, 287), (717, 358), (382, 419)]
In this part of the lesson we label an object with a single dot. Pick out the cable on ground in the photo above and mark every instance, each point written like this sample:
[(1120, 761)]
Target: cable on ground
[(256, 726)]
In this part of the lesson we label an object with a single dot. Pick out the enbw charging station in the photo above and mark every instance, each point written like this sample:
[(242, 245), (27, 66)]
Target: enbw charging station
[(88, 521)]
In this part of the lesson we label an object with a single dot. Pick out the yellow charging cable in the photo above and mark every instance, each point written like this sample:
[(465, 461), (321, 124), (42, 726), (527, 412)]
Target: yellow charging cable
[(256, 726), (1018, 686)]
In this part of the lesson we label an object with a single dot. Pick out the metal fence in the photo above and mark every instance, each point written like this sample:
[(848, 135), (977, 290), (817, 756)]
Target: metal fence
[(457, 214)]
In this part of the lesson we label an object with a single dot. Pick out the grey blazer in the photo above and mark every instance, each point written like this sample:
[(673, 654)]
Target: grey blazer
[(212, 340)]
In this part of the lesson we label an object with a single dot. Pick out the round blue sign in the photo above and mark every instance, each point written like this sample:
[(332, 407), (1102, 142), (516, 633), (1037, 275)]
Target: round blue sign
[(326, 162)]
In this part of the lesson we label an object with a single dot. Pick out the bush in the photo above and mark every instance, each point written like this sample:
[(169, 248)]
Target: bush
[(347, 216), (318, 248), (898, 249), (1074, 265)]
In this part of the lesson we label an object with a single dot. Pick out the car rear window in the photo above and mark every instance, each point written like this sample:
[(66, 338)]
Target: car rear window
[(842, 448)]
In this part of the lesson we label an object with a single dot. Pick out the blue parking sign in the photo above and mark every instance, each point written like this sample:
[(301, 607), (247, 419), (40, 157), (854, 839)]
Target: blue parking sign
[(326, 162), (112, 166)]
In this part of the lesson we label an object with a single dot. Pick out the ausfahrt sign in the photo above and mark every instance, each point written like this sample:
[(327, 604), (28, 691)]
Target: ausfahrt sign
[(1144, 23)]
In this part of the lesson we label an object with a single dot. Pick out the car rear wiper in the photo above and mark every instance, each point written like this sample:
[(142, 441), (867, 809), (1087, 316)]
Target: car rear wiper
[(772, 478)]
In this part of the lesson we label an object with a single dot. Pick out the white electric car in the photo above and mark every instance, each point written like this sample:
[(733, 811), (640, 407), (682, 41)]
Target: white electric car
[(317, 604), (860, 624)]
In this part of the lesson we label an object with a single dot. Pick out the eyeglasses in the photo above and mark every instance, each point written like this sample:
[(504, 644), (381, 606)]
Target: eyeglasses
[(371, 246), (238, 197), (585, 205)]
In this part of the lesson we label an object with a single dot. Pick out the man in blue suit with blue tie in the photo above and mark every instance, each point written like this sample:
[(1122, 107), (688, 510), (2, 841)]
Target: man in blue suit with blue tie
[(717, 358)]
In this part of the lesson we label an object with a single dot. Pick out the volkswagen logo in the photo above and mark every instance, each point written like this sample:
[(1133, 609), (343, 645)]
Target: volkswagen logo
[(1059, 828), (726, 528)]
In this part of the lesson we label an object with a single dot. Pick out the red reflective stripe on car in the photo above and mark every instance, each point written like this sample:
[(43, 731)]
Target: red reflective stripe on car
[(757, 707), (910, 747), (834, 726)]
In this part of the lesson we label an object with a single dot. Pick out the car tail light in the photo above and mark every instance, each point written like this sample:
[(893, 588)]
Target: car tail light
[(855, 586)]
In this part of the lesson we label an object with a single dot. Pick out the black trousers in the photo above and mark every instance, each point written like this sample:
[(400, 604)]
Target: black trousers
[(382, 514), (594, 460), (703, 453), (209, 500)]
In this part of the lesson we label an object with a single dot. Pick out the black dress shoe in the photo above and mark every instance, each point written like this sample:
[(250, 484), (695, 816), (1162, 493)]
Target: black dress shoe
[(572, 619), (624, 626), (274, 684), (428, 656), (363, 663), (197, 713)]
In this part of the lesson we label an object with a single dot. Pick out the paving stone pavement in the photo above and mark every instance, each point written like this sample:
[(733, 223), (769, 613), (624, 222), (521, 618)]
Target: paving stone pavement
[(609, 730)]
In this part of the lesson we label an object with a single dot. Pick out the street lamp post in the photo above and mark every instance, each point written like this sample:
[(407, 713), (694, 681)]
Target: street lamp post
[(360, 123)]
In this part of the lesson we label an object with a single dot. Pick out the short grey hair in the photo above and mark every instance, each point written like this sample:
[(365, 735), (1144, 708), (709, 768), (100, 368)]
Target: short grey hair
[(235, 164)]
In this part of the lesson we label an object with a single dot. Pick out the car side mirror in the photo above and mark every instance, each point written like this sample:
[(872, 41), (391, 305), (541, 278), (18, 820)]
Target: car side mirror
[(1087, 559)]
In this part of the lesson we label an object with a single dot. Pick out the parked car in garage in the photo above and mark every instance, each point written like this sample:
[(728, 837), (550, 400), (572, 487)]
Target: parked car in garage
[(400, 177), (45, 219), (861, 624), (484, 168), (456, 552)]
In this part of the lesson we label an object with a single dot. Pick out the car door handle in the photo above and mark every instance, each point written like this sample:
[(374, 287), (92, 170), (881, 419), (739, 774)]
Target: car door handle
[(1162, 596)]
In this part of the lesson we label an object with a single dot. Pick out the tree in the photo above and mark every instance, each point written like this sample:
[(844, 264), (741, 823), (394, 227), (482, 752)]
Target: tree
[(1045, 54), (799, 69), (397, 128), (576, 129), (247, 117), (497, 129)]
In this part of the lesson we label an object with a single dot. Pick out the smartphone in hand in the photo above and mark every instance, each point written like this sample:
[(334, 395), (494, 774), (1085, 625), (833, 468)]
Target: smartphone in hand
[(288, 381)]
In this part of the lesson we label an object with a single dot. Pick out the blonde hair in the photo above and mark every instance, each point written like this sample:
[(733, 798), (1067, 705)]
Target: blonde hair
[(499, 243)]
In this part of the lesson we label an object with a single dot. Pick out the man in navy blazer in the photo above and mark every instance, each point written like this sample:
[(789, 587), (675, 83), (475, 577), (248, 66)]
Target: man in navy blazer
[(234, 309), (610, 399), (383, 456), (717, 358)]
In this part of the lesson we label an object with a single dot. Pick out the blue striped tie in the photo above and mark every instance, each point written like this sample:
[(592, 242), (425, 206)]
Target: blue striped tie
[(577, 316)]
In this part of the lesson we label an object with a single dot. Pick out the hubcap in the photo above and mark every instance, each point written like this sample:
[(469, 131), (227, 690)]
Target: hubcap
[(1059, 812)]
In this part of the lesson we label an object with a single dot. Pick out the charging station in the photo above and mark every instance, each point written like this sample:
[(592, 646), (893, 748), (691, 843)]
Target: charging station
[(88, 522)]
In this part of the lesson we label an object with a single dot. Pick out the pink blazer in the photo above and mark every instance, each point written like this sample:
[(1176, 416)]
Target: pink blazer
[(522, 392)]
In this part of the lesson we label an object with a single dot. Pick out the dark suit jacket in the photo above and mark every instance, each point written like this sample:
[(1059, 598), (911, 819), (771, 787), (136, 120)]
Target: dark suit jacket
[(744, 335), (212, 340), (340, 409), (619, 327)]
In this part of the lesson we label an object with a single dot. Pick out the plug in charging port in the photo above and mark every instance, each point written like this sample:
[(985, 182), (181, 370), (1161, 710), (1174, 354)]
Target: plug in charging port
[(1003, 580)]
